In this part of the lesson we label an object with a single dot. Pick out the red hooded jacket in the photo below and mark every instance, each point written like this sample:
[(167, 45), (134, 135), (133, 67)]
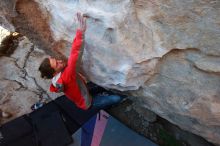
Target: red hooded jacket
[(69, 80)]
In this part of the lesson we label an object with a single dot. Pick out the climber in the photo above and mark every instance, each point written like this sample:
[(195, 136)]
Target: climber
[(66, 77)]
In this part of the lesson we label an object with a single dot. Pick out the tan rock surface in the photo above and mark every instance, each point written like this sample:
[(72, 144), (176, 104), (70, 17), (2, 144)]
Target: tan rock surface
[(20, 82)]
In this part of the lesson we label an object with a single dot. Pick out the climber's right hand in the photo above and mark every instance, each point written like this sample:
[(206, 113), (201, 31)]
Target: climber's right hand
[(81, 21)]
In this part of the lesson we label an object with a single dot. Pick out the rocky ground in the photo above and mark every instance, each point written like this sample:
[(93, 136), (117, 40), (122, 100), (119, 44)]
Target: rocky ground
[(154, 127)]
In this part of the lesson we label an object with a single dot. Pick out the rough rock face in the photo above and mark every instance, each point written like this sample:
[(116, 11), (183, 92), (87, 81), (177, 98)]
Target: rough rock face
[(20, 83), (164, 53)]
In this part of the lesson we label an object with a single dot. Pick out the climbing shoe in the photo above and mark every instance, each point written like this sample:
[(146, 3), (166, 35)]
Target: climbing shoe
[(37, 105)]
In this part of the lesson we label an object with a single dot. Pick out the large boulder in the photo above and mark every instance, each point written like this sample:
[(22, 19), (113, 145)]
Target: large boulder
[(164, 53)]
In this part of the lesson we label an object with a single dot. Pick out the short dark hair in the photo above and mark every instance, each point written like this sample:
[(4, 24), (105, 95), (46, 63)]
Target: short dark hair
[(46, 70)]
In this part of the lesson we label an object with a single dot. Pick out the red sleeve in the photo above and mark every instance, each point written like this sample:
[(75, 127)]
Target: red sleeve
[(53, 89), (74, 53)]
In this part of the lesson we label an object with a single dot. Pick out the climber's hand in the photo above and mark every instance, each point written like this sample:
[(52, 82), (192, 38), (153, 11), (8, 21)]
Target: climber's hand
[(81, 22)]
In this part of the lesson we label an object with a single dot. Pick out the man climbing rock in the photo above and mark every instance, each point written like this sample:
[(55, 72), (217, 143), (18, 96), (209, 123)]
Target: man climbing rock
[(66, 77)]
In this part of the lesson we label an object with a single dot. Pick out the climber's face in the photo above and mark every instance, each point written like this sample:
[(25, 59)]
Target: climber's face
[(57, 64)]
